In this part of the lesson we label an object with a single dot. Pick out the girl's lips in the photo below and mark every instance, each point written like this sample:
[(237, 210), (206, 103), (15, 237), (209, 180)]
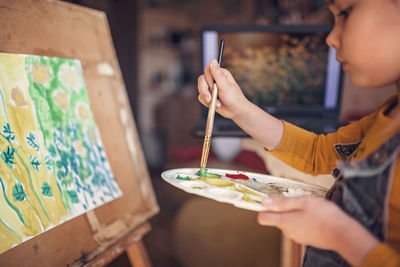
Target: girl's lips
[(344, 63), (345, 66)]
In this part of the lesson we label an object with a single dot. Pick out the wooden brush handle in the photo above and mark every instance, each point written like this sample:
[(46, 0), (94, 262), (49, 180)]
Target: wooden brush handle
[(209, 127)]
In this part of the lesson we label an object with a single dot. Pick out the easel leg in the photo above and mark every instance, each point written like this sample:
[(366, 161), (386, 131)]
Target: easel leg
[(291, 253), (137, 255)]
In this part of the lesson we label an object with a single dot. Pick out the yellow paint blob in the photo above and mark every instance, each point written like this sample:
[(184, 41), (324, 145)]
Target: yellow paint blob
[(246, 197), (40, 74), (223, 183), (215, 181), (83, 112), (18, 97), (61, 99)]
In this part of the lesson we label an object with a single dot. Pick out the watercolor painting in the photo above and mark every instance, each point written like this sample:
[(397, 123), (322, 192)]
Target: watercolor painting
[(52, 163), (241, 189)]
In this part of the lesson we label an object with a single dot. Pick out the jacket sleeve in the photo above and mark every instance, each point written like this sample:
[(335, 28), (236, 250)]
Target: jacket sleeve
[(382, 256), (317, 154)]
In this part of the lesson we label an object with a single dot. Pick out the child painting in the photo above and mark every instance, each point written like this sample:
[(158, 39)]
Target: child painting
[(358, 223)]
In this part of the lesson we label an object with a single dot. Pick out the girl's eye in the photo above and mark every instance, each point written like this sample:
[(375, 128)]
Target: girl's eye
[(345, 12)]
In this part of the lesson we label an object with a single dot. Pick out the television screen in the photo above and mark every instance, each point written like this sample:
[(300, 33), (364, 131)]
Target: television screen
[(287, 70)]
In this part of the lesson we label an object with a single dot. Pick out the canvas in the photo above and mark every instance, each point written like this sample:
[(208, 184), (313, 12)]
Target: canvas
[(52, 163)]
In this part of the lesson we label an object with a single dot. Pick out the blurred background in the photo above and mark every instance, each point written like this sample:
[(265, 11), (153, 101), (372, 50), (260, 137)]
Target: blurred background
[(158, 45)]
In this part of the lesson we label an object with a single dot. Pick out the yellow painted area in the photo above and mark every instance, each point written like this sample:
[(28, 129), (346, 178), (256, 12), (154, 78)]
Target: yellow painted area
[(31, 180), (32, 224), (7, 213), (7, 239), (39, 211)]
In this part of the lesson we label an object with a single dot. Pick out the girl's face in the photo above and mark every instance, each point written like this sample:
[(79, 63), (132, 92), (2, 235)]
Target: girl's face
[(366, 37)]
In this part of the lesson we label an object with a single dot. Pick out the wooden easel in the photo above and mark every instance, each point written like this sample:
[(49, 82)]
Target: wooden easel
[(52, 28)]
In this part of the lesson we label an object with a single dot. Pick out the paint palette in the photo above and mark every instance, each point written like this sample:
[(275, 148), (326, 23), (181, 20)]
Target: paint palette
[(242, 189)]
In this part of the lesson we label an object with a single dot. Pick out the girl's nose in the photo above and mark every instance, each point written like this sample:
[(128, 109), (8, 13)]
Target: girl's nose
[(334, 38)]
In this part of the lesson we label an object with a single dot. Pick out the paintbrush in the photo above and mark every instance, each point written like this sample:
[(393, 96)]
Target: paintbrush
[(210, 119)]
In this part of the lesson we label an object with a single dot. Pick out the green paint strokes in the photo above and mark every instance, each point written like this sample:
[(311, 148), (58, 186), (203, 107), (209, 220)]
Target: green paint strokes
[(18, 192), (73, 196), (46, 190), (4, 105), (208, 174), (66, 200), (29, 179), (10, 204), (35, 162), (8, 157), (49, 112), (32, 188), (31, 141), (30, 204), (8, 133)]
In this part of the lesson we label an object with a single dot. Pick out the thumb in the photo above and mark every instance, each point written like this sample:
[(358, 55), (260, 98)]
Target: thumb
[(219, 74)]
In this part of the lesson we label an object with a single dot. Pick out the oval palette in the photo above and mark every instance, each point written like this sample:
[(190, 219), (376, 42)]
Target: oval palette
[(239, 188)]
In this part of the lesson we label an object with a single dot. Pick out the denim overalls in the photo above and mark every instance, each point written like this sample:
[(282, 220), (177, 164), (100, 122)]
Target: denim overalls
[(362, 191)]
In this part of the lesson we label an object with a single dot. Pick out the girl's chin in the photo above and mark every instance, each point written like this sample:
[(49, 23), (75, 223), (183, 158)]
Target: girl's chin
[(365, 81)]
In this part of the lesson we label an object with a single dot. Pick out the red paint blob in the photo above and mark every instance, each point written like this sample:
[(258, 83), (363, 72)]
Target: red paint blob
[(237, 176)]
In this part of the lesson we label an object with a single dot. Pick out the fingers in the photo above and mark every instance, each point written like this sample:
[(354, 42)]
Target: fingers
[(208, 76), (221, 76), (285, 204), (202, 101), (228, 75), (205, 103), (204, 89), (205, 82), (269, 218), (277, 219)]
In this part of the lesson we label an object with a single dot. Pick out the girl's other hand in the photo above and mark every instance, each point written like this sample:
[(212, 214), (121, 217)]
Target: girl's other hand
[(231, 101), (319, 223)]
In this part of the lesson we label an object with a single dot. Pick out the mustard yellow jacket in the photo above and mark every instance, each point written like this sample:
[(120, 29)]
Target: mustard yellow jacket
[(319, 154)]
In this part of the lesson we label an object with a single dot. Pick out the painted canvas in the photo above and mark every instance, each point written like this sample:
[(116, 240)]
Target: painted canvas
[(52, 163)]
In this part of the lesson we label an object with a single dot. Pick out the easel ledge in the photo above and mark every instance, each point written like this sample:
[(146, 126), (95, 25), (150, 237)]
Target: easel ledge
[(131, 244)]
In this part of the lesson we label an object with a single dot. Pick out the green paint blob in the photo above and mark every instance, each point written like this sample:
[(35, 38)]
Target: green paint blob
[(18, 192), (202, 172), (207, 174), (187, 178), (46, 190), (197, 187)]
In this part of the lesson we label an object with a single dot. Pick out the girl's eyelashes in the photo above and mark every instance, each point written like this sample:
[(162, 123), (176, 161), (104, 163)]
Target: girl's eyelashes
[(345, 12)]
